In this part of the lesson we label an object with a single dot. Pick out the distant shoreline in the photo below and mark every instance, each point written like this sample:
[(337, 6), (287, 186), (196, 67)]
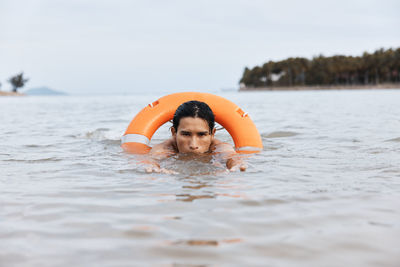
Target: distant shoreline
[(2, 93), (323, 87)]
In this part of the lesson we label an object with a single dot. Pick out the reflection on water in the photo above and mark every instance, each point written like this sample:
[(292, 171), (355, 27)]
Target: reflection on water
[(199, 186), (323, 192), (206, 242), (189, 197), (192, 165)]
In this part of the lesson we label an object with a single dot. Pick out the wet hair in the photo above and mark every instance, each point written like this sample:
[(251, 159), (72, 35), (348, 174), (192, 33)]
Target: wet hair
[(194, 109)]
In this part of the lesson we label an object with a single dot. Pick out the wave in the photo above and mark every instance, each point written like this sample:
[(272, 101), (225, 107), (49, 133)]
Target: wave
[(279, 134), (38, 146), (51, 159), (103, 134), (394, 140)]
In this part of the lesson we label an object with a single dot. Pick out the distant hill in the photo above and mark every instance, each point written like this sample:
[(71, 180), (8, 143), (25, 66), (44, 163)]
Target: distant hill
[(43, 91)]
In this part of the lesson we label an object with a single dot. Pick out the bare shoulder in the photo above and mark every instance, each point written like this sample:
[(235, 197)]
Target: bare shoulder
[(165, 147), (222, 147), (227, 152)]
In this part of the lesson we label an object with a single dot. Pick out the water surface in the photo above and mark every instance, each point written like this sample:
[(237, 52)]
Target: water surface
[(324, 191)]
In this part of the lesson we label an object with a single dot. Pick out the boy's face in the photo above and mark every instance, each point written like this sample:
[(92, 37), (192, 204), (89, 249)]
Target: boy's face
[(193, 135)]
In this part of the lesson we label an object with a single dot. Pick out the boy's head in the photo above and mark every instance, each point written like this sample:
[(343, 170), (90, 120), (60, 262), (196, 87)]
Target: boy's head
[(193, 127)]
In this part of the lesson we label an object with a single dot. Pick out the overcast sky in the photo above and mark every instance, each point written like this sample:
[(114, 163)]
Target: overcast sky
[(126, 46)]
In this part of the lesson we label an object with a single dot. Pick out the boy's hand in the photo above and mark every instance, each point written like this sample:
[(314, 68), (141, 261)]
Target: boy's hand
[(235, 164)]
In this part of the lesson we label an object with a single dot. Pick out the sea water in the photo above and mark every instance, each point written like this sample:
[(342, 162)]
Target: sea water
[(325, 190)]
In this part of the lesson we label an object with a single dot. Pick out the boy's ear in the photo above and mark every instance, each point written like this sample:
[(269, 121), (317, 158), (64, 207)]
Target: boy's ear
[(213, 132), (173, 132)]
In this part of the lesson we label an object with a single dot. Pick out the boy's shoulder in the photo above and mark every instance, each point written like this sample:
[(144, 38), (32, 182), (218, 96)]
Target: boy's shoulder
[(221, 147), (165, 147)]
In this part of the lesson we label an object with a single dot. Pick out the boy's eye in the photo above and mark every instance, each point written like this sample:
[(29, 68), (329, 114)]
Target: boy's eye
[(185, 133), (202, 134)]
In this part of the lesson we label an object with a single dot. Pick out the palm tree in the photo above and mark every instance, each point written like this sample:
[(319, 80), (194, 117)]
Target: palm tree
[(17, 81)]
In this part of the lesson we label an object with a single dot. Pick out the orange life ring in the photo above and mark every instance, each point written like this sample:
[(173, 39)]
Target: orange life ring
[(136, 138)]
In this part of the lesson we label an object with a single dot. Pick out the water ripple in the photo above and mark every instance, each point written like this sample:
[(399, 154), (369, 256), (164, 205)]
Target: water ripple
[(51, 159), (279, 134), (394, 140)]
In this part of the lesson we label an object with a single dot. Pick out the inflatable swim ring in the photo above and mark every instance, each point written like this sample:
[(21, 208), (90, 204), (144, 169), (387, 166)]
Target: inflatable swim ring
[(136, 138)]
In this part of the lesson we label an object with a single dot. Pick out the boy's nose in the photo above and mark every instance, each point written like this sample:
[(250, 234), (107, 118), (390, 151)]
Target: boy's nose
[(193, 144)]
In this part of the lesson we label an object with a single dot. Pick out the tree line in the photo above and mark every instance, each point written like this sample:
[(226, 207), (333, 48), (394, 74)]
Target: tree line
[(382, 66), (17, 81)]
